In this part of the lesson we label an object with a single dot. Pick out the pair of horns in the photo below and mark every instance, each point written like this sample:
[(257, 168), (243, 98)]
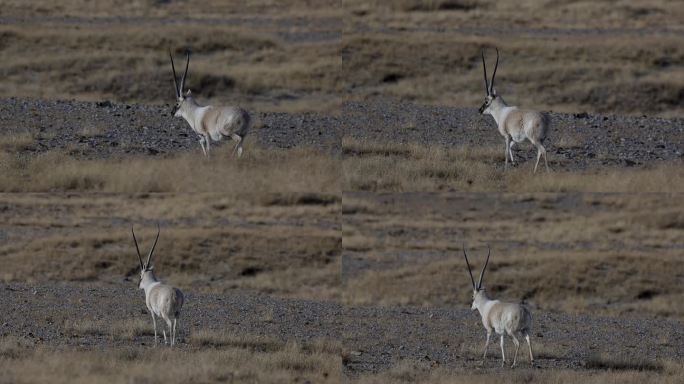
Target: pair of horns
[(179, 90), (489, 88), (479, 282), (149, 256)]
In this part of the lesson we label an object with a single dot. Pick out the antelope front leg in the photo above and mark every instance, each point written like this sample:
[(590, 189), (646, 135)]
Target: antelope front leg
[(201, 141), (510, 152), (484, 356), (207, 140), (238, 146), (173, 333), (517, 346), (503, 354), (529, 346), (154, 323), (508, 142)]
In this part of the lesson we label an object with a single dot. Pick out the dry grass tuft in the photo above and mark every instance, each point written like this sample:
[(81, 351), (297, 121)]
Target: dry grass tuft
[(396, 167), (22, 363), (600, 254), (266, 171), (411, 371)]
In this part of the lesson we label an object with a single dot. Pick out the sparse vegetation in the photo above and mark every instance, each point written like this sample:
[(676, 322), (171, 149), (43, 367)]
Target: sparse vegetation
[(275, 225), (22, 362), (599, 253), (395, 167), (266, 171)]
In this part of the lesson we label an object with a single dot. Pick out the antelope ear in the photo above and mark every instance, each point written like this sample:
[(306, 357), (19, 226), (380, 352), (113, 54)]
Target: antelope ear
[(493, 91), (187, 93)]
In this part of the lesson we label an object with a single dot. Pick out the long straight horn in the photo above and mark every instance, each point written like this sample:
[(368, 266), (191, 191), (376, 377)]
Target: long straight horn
[(175, 80), (470, 272), (187, 63), (484, 67), (479, 283), (149, 257), (491, 85), (137, 249)]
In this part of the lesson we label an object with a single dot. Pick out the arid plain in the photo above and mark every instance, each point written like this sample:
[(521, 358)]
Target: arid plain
[(331, 251)]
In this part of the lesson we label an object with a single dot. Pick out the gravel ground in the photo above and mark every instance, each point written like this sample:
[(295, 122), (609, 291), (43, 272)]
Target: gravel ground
[(595, 140), (100, 130), (374, 338), (104, 129), (455, 337)]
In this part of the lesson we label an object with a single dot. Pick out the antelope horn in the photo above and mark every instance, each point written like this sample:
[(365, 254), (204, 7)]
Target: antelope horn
[(149, 257), (491, 85), (468, 264), (175, 81), (484, 67), (142, 267), (187, 63), (479, 283)]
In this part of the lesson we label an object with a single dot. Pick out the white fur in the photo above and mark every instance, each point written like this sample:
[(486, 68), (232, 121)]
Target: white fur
[(510, 319), (162, 300)]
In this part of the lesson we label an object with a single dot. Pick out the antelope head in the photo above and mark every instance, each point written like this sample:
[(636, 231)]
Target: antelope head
[(478, 291), (180, 97), (489, 87), (146, 269)]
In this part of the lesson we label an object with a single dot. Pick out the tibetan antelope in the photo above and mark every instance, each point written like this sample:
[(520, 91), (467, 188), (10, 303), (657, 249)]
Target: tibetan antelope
[(504, 318), (209, 122), (162, 300), (515, 124)]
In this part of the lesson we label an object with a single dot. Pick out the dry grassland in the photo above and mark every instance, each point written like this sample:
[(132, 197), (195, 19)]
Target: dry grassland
[(618, 57), (280, 244), (166, 8), (608, 74), (605, 370), (209, 357), (127, 61), (525, 13), (396, 167), (598, 253), (260, 171)]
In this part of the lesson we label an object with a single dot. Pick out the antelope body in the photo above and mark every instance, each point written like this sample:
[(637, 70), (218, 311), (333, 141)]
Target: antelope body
[(514, 124), (509, 319), (162, 300), (210, 122)]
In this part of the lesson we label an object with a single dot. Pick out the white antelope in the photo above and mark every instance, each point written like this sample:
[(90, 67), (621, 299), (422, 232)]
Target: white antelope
[(210, 122), (515, 124), (162, 300), (504, 318)]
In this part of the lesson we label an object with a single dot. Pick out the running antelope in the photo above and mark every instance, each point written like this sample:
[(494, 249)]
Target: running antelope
[(515, 124), (162, 300), (209, 122), (504, 318)]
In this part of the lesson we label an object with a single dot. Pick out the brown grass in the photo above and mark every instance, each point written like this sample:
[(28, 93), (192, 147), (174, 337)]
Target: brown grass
[(525, 13), (129, 63), (608, 254), (285, 245), (613, 74), (246, 361), (265, 171), (395, 167), (411, 371)]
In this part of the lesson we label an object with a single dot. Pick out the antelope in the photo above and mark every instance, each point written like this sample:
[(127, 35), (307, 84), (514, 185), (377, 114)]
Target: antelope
[(162, 300), (209, 122), (514, 124), (504, 318)]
